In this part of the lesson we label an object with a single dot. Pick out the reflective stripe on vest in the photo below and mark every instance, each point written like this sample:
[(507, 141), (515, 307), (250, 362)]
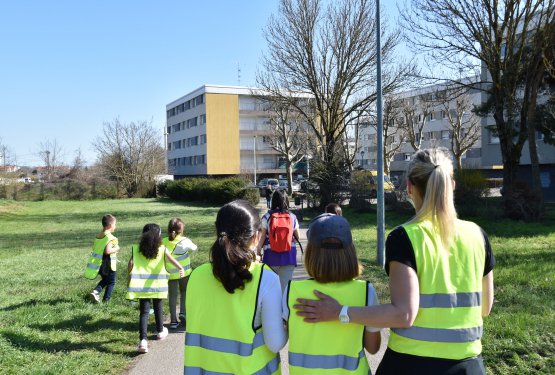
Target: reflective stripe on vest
[(449, 319), (148, 278), (307, 354), (183, 259), (95, 258), (220, 337)]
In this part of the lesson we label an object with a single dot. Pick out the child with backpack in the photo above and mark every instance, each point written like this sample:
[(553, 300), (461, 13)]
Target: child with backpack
[(279, 228)]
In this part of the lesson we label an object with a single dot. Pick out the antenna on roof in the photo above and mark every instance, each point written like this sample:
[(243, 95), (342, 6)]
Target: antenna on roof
[(238, 74)]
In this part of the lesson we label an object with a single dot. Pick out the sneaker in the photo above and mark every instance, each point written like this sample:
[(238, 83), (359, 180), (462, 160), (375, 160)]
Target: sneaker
[(95, 296), (174, 325), (162, 335), (143, 346), (182, 318)]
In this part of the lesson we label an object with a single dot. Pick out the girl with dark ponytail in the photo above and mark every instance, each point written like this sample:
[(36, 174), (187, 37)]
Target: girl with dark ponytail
[(234, 299)]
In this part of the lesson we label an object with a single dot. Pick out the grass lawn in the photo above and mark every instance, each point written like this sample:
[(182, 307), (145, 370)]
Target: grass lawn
[(48, 326)]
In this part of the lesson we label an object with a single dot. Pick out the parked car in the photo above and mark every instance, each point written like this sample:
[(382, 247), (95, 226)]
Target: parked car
[(367, 182), (267, 181)]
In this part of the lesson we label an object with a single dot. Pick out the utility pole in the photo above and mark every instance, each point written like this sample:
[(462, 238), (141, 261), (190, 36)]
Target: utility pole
[(254, 155)]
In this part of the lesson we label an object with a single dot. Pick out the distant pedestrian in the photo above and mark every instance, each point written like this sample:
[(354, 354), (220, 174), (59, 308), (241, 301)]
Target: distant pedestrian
[(269, 192), (334, 208), (233, 303), (331, 262), (148, 280), (279, 228), (179, 247), (103, 260)]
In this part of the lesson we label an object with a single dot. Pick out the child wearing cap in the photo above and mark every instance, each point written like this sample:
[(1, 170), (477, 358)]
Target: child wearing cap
[(331, 261)]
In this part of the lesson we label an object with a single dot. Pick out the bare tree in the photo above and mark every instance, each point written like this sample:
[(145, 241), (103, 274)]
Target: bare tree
[(466, 33), (393, 131), (465, 127), (131, 153), (328, 50), (289, 134), (51, 154), (5, 155), (416, 112)]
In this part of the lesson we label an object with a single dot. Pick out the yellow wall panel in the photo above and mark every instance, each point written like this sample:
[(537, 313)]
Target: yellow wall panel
[(222, 133)]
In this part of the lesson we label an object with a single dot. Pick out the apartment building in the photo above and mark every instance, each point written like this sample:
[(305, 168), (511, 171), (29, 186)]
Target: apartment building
[(219, 130)]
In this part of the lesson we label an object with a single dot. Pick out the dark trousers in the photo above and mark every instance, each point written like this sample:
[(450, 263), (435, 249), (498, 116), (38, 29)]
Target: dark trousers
[(144, 308), (108, 282)]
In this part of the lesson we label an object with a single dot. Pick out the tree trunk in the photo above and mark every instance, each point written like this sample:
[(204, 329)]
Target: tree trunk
[(458, 159), (289, 177), (530, 118)]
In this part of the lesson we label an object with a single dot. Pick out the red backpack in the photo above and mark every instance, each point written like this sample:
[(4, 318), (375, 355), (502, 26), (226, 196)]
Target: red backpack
[(280, 231)]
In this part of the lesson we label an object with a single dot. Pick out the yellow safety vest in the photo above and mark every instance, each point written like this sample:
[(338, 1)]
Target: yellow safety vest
[(148, 278), (449, 320), (221, 337), (182, 258), (95, 259), (327, 347)]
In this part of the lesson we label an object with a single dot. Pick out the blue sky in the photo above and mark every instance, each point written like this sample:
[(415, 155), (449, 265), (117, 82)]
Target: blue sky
[(66, 67)]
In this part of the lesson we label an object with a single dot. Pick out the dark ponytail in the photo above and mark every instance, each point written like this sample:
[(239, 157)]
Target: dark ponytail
[(176, 226), (236, 223), (150, 241)]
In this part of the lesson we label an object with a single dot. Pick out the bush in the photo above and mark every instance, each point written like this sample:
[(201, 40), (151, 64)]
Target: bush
[(523, 203), (251, 195), (212, 190), (470, 191)]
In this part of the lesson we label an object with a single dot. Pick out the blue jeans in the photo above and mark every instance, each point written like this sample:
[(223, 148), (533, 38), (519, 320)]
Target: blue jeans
[(107, 282)]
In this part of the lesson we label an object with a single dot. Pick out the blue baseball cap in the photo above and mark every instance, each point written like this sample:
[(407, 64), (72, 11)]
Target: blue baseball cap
[(327, 226)]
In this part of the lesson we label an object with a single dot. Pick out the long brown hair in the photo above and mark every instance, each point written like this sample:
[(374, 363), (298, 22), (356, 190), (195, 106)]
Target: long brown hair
[(176, 226), (236, 223), (151, 240)]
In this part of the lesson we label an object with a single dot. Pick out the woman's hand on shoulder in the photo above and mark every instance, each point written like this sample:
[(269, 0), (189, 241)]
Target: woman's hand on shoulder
[(323, 309)]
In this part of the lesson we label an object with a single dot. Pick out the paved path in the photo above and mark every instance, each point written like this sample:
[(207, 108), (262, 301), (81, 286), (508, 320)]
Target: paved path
[(166, 357)]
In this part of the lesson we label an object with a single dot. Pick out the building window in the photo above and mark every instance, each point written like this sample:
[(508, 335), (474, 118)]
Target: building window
[(493, 137), (445, 134), (443, 114), (169, 129), (202, 119), (431, 136), (202, 139), (406, 156), (169, 146), (431, 116)]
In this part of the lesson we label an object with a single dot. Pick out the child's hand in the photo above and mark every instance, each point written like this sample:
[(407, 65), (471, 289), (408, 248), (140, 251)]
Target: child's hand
[(181, 272)]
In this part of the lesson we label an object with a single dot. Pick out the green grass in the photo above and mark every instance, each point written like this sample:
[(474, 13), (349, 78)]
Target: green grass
[(47, 325)]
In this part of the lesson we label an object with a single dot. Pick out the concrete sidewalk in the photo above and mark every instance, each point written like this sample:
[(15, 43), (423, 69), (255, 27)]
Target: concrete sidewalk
[(166, 357)]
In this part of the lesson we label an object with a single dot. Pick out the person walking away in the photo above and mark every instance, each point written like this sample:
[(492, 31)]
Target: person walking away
[(268, 192), (279, 227), (334, 208), (233, 303), (179, 247), (331, 262), (148, 280), (103, 260), (441, 281)]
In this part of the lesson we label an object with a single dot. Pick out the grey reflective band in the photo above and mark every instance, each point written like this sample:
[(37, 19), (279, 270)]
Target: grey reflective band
[(148, 277), (147, 289), (471, 299), (440, 334), (328, 362), (182, 257), (270, 368), (176, 270), (90, 265), (224, 345), (97, 256)]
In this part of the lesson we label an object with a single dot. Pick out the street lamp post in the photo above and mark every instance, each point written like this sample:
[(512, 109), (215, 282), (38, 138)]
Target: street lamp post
[(380, 258), (362, 159), (254, 156)]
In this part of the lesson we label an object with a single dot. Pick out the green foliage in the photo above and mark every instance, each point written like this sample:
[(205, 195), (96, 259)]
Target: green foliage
[(252, 195), (470, 192), (213, 190)]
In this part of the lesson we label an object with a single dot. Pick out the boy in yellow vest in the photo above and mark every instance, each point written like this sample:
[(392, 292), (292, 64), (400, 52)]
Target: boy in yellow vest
[(103, 260)]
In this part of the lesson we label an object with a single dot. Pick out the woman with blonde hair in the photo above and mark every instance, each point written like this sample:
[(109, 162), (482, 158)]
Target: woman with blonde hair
[(440, 280)]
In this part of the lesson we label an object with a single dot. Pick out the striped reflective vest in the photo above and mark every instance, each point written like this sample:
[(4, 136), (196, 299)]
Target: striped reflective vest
[(449, 319), (327, 347), (180, 254), (148, 278), (221, 337), (95, 259)]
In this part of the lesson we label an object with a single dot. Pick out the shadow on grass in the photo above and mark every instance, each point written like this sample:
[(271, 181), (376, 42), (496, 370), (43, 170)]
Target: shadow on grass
[(84, 324)]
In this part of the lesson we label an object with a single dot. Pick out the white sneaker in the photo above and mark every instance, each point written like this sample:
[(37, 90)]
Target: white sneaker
[(162, 335), (143, 346), (95, 296)]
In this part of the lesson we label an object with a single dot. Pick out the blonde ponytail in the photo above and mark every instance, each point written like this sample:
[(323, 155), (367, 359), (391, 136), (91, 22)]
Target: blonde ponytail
[(431, 171)]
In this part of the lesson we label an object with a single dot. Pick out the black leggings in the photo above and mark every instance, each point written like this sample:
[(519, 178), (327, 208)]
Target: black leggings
[(144, 307)]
